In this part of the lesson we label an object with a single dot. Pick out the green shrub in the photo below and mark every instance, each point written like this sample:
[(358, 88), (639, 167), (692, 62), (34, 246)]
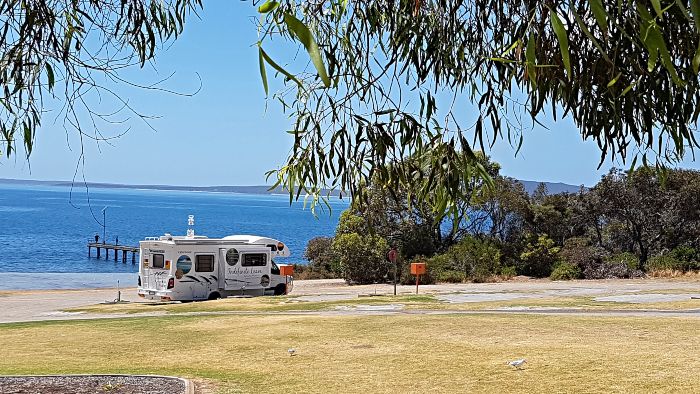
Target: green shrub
[(450, 276), (509, 271), (304, 272), (479, 259), (435, 268), (565, 271), (669, 262), (349, 223), (688, 256), (319, 253), (539, 256), (629, 259), (362, 259)]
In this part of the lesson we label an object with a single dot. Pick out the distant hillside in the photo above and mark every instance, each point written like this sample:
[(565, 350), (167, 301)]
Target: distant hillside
[(530, 186), (262, 189), (552, 188)]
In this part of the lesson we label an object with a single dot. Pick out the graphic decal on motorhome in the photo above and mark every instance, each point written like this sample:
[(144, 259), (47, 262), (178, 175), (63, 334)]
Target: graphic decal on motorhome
[(159, 278), (244, 271)]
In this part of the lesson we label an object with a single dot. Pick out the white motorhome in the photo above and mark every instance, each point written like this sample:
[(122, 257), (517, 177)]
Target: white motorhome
[(192, 268)]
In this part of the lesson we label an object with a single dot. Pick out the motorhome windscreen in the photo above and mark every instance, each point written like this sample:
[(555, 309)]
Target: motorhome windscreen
[(158, 261), (254, 260), (204, 263)]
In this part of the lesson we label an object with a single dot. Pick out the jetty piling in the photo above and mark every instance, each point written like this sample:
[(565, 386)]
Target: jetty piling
[(99, 246)]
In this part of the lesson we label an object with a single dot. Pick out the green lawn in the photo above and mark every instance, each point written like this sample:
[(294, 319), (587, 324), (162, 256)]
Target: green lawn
[(369, 354)]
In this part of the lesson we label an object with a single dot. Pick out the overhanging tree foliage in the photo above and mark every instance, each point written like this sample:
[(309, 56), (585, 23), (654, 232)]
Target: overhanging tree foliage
[(367, 108), (69, 50), (367, 105)]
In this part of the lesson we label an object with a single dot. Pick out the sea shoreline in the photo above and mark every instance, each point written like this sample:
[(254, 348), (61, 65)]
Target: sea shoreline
[(10, 281)]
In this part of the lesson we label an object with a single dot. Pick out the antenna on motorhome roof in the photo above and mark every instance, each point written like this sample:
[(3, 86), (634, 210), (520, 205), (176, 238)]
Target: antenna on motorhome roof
[(190, 226)]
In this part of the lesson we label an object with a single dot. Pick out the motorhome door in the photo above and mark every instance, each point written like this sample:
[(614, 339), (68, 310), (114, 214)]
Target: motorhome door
[(246, 269)]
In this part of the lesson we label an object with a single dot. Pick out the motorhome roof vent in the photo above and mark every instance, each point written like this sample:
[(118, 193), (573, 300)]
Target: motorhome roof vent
[(166, 237)]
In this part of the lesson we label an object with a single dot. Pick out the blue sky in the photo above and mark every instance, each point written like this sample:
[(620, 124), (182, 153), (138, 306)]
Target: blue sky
[(228, 135)]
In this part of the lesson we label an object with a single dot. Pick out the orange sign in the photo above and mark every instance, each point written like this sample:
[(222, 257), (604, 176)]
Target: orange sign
[(286, 270), (418, 268)]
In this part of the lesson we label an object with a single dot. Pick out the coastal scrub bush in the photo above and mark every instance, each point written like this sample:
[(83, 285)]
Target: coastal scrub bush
[(596, 263), (305, 272), (477, 258), (626, 258), (349, 223), (508, 272), (668, 263), (319, 253), (437, 268), (611, 270), (564, 270), (580, 252), (361, 259), (539, 256), (688, 255), (451, 276)]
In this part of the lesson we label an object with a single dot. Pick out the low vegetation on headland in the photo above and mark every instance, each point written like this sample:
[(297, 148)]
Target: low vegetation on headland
[(630, 224)]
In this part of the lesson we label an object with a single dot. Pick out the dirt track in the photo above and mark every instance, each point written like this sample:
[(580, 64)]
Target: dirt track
[(22, 306)]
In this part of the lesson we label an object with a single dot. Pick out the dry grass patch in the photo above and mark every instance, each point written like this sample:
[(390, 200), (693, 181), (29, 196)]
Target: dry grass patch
[(675, 274), (584, 303), (361, 354), (408, 302), (256, 304)]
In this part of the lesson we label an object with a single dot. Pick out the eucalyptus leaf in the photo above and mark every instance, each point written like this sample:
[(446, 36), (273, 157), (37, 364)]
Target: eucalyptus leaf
[(50, 76), (261, 64), (268, 6), (531, 59), (695, 9), (277, 67), (601, 16), (560, 31), (303, 34)]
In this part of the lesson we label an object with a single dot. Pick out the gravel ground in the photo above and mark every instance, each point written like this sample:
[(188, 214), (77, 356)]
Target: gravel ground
[(91, 384), (35, 305)]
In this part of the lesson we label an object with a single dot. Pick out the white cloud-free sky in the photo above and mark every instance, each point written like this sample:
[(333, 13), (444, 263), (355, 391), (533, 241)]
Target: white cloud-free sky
[(227, 134)]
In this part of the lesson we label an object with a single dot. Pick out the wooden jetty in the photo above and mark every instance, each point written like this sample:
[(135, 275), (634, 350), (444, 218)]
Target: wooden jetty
[(134, 250)]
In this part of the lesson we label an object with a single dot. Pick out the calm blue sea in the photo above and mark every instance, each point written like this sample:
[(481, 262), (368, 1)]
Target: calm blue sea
[(45, 229)]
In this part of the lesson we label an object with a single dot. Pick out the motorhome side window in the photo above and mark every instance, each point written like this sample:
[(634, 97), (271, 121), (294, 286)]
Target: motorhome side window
[(158, 261), (254, 260), (232, 256), (204, 263)]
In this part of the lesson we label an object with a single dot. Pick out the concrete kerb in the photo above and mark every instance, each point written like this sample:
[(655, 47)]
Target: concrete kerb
[(189, 385)]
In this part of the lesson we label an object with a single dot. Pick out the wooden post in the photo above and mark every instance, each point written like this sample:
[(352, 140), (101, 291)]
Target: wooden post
[(98, 252), (116, 252), (133, 257), (106, 253), (124, 256), (89, 250)]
